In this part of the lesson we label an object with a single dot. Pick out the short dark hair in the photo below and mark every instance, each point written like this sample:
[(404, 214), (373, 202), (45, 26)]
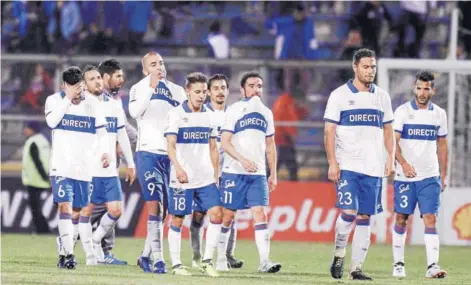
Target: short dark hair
[(109, 67), (87, 68), (247, 75), (216, 77), (425, 76), (72, 75), (195, 77), (361, 53)]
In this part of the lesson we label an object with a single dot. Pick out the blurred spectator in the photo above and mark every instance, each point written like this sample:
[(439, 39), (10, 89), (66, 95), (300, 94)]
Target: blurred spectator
[(65, 23), (414, 13), (286, 109), (218, 47), (368, 22), (136, 15), (40, 87), (352, 43), (34, 175)]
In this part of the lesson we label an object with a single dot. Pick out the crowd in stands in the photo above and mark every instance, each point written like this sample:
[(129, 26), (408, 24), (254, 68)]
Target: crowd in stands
[(283, 30)]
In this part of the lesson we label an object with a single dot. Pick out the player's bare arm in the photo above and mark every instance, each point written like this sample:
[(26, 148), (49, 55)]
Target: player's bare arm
[(389, 143), (172, 155), (229, 148), (139, 96), (55, 110), (329, 142), (408, 169), (442, 151), (214, 152), (272, 161)]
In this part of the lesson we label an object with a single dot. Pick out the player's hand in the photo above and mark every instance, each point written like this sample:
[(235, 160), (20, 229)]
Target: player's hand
[(249, 165), (216, 178), (334, 172), (408, 169), (73, 92), (130, 175), (154, 79), (443, 179), (389, 169), (272, 183), (105, 159), (181, 175)]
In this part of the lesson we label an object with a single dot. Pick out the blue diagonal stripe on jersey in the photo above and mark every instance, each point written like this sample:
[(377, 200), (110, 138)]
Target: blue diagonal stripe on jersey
[(84, 124), (163, 93), (253, 121), (193, 135), (419, 132), (362, 117), (111, 124)]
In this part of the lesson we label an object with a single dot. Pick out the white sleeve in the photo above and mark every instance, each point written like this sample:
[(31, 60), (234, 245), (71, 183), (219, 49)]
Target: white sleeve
[(443, 129), (139, 98), (100, 126), (270, 125), (332, 110), (55, 109), (125, 145), (398, 120), (214, 127), (230, 120), (388, 112), (172, 124), (121, 117)]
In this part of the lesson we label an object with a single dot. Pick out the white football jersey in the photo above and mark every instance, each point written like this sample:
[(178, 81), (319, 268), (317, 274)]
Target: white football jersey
[(193, 131), (251, 123), (359, 137), (74, 139), (219, 117), (150, 108), (420, 129), (115, 120)]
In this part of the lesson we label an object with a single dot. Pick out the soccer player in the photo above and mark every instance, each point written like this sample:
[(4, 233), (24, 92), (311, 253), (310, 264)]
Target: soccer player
[(113, 79), (191, 136), (106, 186), (150, 100), (247, 137), (76, 122), (422, 153), (358, 126), (218, 86)]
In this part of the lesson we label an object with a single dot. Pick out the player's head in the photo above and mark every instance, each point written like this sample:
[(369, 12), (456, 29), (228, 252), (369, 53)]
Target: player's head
[(196, 87), (72, 76), (153, 62), (93, 80), (218, 86), (424, 87), (251, 84), (364, 65), (112, 74)]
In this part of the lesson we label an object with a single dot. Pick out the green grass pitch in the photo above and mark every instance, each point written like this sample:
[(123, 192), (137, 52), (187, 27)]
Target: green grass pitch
[(29, 259)]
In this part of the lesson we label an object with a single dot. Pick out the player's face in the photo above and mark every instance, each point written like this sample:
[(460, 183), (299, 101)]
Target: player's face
[(218, 92), (423, 91), (253, 87), (93, 82), (116, 81), (154, 63), (197, 93), (365, 70)]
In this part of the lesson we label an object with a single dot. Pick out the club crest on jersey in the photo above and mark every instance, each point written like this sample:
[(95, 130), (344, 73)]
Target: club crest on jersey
[(185, 120), (342, 183), (403, 188), (59, 179), (351, 102), (149, 175), (229, 184)]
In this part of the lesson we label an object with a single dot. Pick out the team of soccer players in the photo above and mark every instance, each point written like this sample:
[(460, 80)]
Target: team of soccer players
[(207, 159)]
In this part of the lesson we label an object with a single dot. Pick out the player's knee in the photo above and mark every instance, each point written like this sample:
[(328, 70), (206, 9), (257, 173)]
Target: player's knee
[(115, 212), (259, 215), (401, 220), (65, 208), (153, 207), (430, 220), (349, 212), (197, 218), (177, 221), (216, 214), (227, 216), (362, 216)]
